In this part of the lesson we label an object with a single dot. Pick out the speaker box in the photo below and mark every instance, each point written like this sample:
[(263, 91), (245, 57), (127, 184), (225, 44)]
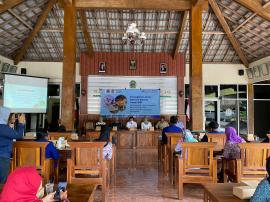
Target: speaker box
[(241, 72), (23, 70)]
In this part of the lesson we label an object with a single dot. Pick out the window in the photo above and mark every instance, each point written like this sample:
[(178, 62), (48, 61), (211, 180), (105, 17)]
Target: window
[(228, 91), (211, 91), (77, 90), (53, 90), (226, 104)]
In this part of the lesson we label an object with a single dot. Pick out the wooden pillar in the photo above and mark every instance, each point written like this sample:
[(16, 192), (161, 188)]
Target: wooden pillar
[(250, 109), (69, 67), (180, 97), (195, 66)]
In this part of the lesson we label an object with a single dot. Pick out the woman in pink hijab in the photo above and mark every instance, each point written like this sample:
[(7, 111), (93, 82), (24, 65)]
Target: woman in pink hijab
[(22, 185)]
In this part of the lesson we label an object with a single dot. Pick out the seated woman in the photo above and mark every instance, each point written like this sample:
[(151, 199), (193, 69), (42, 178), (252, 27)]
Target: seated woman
[(24, 184), (105, 137), (213, 128), (146, 125), (131, 124), (162, 123), (51, 151), (231, 148), (187, 137), (262, 193)]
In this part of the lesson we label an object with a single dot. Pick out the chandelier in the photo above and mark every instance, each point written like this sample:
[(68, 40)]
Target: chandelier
[(133, 35)]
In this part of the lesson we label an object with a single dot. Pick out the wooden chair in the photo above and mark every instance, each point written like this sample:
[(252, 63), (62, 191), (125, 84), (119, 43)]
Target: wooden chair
[(30, 153), (167, 153), (196, 164), (56, 135), (86, 161), (220, 139), (251, 166)]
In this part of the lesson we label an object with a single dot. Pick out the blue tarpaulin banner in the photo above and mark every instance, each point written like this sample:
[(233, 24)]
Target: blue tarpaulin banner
[(130, 102)]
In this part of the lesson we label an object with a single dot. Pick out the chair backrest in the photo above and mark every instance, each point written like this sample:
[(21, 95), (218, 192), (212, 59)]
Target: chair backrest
[(95, 134), (87, 155), (220, 139), (173, 138), (28, 153), (198, 157), (56, 135), (89, 125), (253, 158)]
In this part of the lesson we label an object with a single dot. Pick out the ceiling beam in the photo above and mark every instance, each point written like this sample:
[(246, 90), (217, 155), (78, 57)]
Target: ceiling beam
[(86, 34), (118, 31), (34, 32), (9, 4), (178, 5), (20, 19), (180, 33), (249, 18), (227, 30), (255, 7)]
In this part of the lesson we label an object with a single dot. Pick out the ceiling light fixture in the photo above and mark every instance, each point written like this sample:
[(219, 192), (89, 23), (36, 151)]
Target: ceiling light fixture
[(133, 35)]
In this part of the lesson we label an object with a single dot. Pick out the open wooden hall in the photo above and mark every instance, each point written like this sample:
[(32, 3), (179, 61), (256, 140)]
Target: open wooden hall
[(134, 100)]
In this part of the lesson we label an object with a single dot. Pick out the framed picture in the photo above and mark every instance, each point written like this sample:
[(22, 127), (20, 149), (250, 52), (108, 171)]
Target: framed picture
[(264, 69), (102, 67), (132, 64), (256, 71), (163, 68), (250, 73)]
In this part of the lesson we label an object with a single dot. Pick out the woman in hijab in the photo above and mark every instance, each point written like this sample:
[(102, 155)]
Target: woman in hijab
[(23, 185), (105, 137), (231, 148), (262, 193), (7, 134), (187, 137)]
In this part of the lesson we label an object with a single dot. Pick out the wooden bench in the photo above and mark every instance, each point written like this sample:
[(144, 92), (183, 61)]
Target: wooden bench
[(30, 153), (251, 166), (87, 165), (57, 135), (220, 139), (196, 165)]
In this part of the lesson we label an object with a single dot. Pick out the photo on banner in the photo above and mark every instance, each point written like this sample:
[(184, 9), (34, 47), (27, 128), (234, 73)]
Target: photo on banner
[(130, 102)]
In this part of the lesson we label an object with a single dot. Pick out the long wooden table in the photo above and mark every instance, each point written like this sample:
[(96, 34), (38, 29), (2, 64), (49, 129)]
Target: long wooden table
[(219, 192), (137, 139)]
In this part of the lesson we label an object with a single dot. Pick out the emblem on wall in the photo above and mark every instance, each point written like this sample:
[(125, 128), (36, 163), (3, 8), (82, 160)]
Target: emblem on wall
[(132, 84)]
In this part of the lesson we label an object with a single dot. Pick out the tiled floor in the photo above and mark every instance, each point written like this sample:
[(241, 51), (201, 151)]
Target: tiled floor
[(135, 183)]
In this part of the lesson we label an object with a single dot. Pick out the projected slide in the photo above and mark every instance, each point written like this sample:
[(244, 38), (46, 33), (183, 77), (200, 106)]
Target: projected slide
[(25, 94), (127, 102)]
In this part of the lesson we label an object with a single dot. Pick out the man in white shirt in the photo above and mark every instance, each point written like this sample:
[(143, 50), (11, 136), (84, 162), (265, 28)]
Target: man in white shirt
[(131, 124)]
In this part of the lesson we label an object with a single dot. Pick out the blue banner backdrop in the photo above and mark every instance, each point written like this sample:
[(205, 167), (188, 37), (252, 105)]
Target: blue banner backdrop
[(130, 102)]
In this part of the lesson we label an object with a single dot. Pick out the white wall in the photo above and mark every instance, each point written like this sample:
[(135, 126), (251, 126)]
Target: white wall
[(52, 70), (220, 74), (6, 60), (212, 73)]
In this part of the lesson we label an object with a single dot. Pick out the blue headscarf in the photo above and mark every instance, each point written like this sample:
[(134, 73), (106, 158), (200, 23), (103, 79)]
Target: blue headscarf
[(4, 115)]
